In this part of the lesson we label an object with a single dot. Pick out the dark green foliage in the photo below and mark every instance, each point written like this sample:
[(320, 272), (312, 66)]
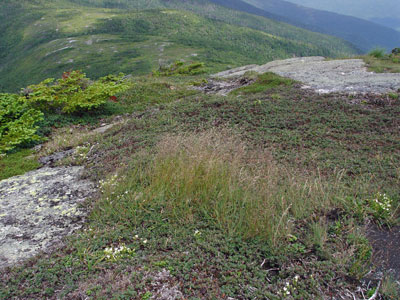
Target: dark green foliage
[(396, 51), (21, 117), (18, 122)]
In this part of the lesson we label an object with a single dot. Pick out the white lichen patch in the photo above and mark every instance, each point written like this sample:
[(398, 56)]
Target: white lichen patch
[(38, 209)]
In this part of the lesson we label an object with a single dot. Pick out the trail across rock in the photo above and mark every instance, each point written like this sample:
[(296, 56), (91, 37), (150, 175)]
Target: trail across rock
[(326, 76)]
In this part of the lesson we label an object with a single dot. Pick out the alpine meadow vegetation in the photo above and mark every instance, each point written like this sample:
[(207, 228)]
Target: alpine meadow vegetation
[(266, 192), (270, 194)]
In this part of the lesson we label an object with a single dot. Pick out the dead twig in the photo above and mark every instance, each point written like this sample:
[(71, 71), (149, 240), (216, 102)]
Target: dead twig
[(376, 291)]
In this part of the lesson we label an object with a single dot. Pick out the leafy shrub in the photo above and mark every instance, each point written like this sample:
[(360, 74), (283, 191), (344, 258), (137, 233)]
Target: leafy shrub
[(396, 51), (17, 122), (378, 53), (180, 68), (73, 93)]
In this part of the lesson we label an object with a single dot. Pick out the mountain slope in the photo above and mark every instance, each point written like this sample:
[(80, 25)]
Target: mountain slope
[(44, 38), (366, 9), (388, 22), (364, 34), (384, 12)]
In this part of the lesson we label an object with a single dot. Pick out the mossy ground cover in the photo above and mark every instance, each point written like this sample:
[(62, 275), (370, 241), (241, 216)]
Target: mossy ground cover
[(278, 146), (383, 64), (17, 163)]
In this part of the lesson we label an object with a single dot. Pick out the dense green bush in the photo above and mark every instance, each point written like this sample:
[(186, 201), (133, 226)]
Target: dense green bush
[(22, 115), (180, 68), (74, 92), (18, 122)]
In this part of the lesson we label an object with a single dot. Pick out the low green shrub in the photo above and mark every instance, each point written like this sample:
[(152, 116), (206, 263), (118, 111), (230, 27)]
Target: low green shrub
[(180, 68), (74, 92), (18, 122), (25, 118), (378, 53)]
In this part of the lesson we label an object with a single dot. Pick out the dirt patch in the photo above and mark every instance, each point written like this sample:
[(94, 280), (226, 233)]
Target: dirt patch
[(386, 247)]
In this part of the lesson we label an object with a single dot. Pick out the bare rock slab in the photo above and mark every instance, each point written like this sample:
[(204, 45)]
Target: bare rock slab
[(38, 209), (326, 76)]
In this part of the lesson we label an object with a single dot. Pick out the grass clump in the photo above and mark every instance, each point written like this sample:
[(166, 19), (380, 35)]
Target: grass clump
[(390, 288), (218, 180), (263, 83)]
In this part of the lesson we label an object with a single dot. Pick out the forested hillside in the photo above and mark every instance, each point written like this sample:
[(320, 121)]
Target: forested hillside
[(44, 38)]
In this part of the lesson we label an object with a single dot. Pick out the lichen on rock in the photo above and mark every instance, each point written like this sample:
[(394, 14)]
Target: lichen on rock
[(38, 209)]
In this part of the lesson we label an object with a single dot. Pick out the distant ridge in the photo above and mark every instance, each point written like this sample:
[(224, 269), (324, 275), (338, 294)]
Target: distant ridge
[(363, 34)]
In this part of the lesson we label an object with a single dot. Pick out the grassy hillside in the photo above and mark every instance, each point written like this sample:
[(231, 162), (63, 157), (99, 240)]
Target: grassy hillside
[(43, 39)]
